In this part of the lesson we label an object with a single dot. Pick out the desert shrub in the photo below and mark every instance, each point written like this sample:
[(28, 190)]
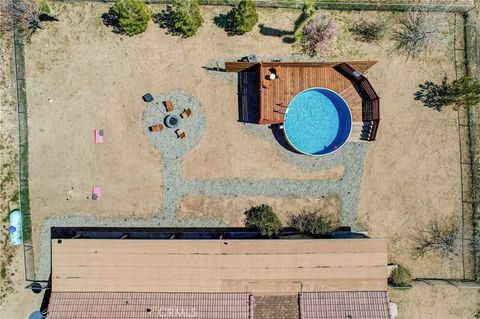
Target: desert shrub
[(264, 219), (187, 17), (369, 31), (440, 236), (417, 29), (308, 12), (44, 8), (243, 17), (462, 92), (27, 16), (312, 222), (128, 17), (400, 276), (317, 35)]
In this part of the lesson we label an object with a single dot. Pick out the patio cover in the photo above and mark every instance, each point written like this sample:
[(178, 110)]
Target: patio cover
[(256, 266)]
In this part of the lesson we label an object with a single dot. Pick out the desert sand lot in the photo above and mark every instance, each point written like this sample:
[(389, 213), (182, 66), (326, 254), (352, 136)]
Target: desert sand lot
[(436, 302), (81, 76)]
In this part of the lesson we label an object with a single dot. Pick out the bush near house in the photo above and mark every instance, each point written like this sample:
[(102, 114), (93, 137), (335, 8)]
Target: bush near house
[(243, 17), (128, 17), (312, 222), (400, 277), (264, 219)]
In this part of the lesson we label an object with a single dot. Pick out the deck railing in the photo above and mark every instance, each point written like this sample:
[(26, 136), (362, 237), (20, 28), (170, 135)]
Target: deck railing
[(370, 99)]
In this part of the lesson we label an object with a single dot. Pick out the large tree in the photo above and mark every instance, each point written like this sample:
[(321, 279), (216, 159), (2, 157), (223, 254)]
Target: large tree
[(463, 92)]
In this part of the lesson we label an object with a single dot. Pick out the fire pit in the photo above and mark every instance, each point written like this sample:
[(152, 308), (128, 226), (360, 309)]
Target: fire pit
[(172, 121)]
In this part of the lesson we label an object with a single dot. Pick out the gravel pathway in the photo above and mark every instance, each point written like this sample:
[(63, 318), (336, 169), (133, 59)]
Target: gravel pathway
[(173, 150)]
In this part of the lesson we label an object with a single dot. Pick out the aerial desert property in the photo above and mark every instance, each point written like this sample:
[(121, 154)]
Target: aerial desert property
[(239, 159)]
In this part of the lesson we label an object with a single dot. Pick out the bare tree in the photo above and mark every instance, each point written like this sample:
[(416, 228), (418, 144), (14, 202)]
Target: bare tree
[(24, 15), (418, 28), (441, 236)]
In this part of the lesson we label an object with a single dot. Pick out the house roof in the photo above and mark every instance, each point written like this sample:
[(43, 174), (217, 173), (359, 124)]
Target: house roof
[(344, 304), (257, 266), (132, 305)]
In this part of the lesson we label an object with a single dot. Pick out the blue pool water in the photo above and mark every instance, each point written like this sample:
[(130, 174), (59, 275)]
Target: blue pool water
[(317, 122)]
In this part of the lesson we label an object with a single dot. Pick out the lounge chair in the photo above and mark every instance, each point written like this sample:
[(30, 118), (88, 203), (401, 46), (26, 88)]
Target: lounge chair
[(168, 105), (180, 133), (278, 71), (156, 128), (97, 193), (186, 113), (98, 136)]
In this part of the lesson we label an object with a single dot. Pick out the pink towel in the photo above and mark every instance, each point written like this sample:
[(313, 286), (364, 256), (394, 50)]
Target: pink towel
[(98, 136), (97, 193)]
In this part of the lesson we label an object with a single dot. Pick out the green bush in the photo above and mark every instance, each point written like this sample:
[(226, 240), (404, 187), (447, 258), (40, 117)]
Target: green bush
[(129, 17), (312, 222), (400, 276), (187, 17), (244, 17), (366, 31), (308, 12), (264, 219), (44, 8)]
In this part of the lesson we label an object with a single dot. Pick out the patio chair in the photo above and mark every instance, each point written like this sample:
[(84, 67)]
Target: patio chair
[(186, 113), (168, 105), (180, 133), (156, 128), (147, 98)]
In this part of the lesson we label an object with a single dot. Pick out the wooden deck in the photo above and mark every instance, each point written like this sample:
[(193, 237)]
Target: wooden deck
[(295, 77)]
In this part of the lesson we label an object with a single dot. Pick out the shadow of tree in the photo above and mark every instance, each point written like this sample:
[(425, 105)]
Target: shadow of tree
[(166, 20), (110, 20), (223, 21), (285, 35), (47, 17)]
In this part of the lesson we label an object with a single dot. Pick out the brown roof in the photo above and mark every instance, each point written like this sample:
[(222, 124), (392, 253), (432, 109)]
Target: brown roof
[(344, 304), (257, 266), (131, 305)]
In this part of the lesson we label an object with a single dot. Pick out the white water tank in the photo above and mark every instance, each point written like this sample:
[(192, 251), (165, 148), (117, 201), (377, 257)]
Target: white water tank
[(15, 228)]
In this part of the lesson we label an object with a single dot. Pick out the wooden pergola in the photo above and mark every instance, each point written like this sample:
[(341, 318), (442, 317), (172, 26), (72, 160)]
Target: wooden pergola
[(293, 77)]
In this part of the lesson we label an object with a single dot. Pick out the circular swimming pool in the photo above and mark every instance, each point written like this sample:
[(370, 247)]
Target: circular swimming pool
[(317, 122)]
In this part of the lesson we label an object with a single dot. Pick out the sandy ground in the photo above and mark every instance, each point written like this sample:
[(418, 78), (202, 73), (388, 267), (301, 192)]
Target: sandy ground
[(22, 301), (81, 76), (231, 210), (436, 302)]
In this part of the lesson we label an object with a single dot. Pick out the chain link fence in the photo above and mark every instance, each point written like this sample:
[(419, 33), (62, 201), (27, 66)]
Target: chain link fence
[(472, 50), (24, 198)]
